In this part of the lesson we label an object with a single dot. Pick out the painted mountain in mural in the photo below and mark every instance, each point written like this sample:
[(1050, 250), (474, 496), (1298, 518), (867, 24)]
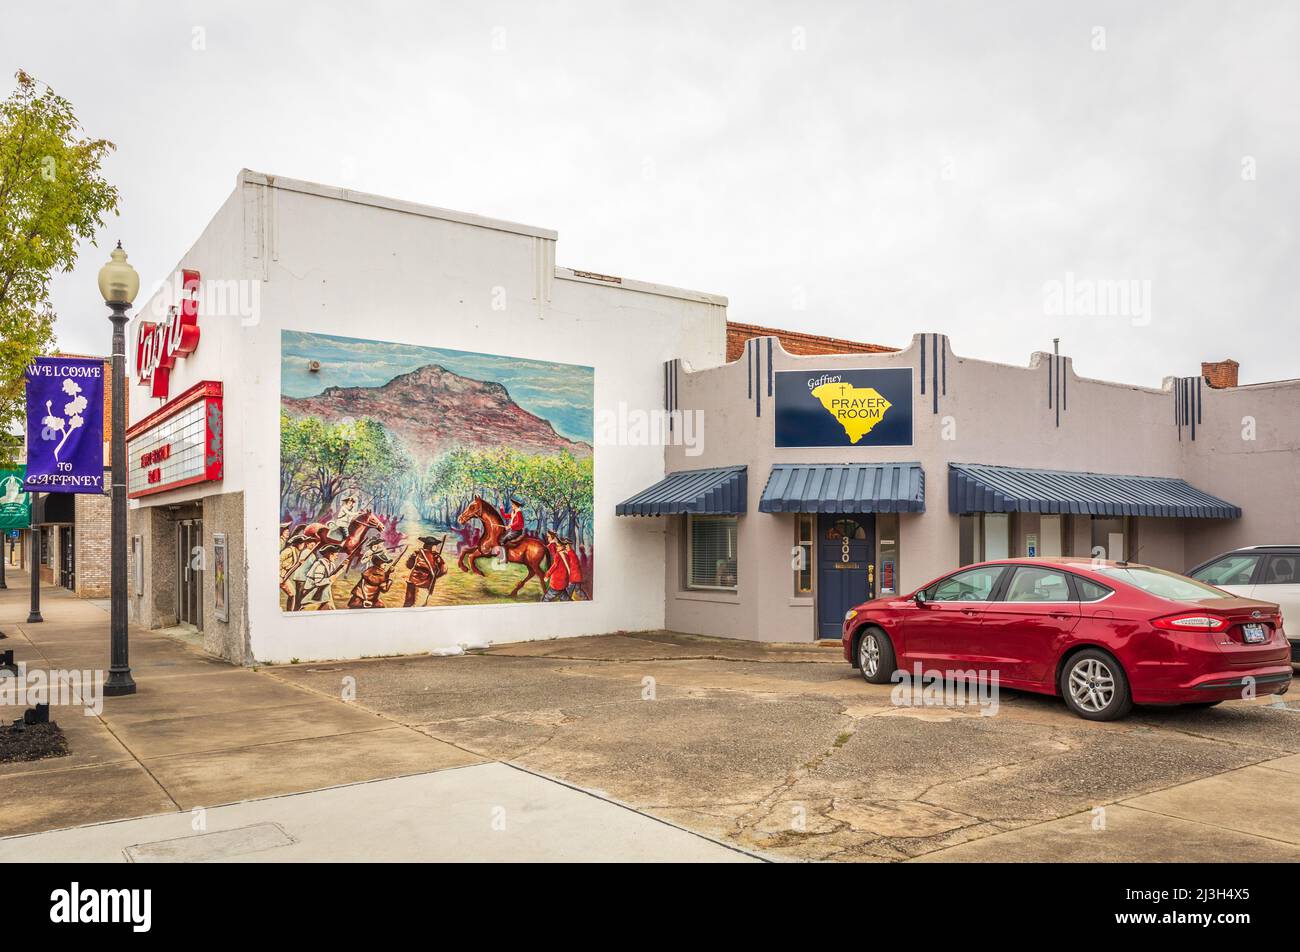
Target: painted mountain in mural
[(455, 412)]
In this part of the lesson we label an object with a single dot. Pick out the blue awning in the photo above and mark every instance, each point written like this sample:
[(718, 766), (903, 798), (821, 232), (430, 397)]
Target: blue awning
[(974, 487), (721, 491), (844, 487)]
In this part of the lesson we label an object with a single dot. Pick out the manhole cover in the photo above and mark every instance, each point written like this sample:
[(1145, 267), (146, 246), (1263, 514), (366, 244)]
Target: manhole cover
[(206, 847)]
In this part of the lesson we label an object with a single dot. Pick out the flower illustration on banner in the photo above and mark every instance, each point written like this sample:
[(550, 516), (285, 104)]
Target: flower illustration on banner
[(73, 409)]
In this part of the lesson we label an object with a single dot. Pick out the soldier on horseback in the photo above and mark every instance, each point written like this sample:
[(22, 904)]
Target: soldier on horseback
[(513, 516), (336, 529)]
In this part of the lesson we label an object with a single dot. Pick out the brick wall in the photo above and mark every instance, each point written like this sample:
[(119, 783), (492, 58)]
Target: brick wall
[(796, 342), (1220, 373), (93, 540)]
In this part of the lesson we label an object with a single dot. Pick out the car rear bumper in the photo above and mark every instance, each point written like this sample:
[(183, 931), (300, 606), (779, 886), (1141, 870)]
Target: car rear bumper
[(1223, 686)]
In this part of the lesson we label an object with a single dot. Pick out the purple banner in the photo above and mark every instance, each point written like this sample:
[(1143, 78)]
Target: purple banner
[(65, 425)]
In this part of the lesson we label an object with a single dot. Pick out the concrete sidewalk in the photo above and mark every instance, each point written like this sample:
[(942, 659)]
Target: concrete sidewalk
[(198, 733), (484, 813)]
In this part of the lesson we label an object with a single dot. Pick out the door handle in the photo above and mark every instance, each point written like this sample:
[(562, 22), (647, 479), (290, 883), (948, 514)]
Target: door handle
[(970, 611), (1059, 615)]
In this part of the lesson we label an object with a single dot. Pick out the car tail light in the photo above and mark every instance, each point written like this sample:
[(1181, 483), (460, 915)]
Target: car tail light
[(1191, 621)]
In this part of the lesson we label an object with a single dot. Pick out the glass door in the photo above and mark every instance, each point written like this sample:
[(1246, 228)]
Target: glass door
[(67, 558), (189, 575)]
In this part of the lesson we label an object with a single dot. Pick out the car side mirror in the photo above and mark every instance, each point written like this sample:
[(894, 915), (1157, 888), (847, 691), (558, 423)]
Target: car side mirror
[(919, 597)]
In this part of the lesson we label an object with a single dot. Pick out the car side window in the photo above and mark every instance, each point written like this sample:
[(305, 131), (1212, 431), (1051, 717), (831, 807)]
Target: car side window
[(1030, 584), (972, 585), (1090, 591), (1282, 570), (1229, 570)]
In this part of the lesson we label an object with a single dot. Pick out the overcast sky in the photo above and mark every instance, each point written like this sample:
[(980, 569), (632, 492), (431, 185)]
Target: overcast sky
[(865, 170)]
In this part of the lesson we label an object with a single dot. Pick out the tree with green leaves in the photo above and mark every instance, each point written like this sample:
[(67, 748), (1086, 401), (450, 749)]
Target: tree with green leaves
[(318, 460), (52, 196)]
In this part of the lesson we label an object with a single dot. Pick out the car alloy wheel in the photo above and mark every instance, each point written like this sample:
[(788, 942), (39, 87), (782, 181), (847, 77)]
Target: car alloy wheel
[(1092, 685), (869, 655)]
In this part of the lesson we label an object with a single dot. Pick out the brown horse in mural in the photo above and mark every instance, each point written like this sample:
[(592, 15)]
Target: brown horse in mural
[(318, 541), (528, 551)]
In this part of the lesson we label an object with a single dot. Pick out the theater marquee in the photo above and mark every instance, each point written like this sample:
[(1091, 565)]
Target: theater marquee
[(179, 444)]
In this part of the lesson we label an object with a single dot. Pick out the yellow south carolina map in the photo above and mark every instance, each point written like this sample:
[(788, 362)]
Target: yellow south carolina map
[(858, 409)]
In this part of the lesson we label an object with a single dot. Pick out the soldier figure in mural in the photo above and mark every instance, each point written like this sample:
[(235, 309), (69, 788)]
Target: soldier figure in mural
[(573, 568), (376, 580), (424, 567), (313, 580), (512, 514), (336, 529), (556, 577)]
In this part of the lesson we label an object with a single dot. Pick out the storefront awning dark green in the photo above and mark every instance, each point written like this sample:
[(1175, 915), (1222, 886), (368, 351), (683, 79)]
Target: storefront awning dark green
[(974, 487), (721, 491), (844, 487)]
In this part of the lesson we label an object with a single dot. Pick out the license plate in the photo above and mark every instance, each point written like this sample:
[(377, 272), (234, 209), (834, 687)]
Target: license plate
[(1255, 634)]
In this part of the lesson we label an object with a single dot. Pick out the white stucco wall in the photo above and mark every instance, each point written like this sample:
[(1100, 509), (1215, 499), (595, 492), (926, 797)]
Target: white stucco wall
[(334, 262)]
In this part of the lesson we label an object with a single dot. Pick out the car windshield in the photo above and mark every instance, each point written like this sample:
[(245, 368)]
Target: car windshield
[(1161, 583)]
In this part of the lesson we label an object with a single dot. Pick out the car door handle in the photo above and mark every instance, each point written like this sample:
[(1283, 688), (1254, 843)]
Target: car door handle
[(1059, 615), (970, 611)]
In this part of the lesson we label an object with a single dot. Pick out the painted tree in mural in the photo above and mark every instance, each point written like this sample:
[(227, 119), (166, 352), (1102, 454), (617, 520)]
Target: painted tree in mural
[(556, 489), (319, 460)]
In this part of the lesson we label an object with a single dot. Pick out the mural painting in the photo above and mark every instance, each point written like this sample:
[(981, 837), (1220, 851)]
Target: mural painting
[(417, 476)]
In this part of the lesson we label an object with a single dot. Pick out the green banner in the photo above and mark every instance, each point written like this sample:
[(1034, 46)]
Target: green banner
[(15, 505)]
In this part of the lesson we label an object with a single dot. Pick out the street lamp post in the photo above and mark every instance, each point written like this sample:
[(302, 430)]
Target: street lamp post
[(119, 284), (38, 508)]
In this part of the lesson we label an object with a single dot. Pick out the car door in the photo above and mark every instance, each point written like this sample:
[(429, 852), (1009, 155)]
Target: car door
[(1233, 573), (1025, 627), (943, 630)]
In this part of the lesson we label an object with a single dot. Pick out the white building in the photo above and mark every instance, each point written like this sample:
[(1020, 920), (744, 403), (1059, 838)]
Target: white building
[(290, 256)]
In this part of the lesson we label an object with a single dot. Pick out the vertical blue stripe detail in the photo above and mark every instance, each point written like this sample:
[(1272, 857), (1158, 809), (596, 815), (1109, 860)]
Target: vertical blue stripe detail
[(922, 364), (749, 369), (945, 365), (769, 366), (934, 369)]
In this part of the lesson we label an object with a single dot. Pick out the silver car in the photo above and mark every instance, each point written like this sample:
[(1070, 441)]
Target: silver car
[(1270, 573)]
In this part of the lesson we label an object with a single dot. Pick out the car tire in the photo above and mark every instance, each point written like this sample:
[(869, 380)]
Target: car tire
[(875, 654), (1095, 687)]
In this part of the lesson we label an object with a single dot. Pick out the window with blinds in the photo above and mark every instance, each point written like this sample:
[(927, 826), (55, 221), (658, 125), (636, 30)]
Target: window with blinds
[(711, 552)]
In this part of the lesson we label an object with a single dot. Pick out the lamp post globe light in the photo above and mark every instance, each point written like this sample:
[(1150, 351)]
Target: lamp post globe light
[(119, 284)]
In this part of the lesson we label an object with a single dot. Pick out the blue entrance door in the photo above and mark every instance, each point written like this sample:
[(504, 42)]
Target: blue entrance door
[(845, 545)]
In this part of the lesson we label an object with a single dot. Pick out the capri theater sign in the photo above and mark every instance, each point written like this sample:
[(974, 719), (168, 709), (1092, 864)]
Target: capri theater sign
[(157, 346), (179, 444)]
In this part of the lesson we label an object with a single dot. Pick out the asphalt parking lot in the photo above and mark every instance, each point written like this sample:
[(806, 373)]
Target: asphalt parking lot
[(785, 751)]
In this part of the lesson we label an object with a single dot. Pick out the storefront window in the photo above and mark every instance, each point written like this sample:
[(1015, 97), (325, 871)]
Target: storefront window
[(711, 552), (984, 536), (803, 572), (887, 569)]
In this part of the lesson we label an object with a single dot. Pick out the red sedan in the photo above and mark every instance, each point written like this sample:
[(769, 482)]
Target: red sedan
[(1102, 635)]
